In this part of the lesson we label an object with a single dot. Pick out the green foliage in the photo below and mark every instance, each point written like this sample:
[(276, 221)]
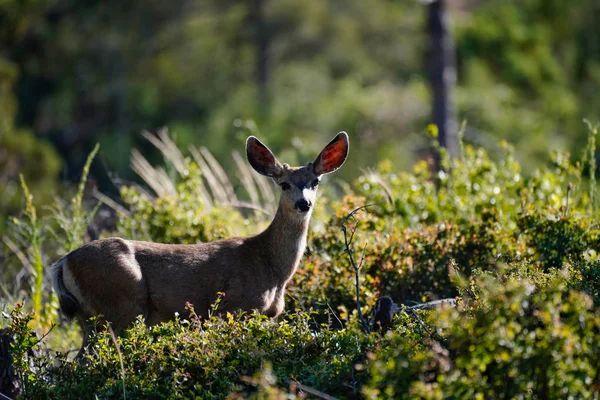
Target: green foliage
[(181, 216), (31, 230), (422, 229), (191, 358), (265, 383), (21, 153), (28, 233), (23, 342), (525, 66), (28, 236), (557, 239), (588, 275), (509, 339), (519, 252), (528, 72)]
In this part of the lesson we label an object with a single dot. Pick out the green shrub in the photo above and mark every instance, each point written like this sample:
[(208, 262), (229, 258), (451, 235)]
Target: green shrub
[(29, 236), (511, 340), (520, 254), (482, 214), (206, 359), (181, 216)]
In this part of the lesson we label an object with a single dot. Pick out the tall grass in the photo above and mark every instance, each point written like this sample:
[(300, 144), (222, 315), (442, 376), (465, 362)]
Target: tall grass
[(590, 156), (74, 219), (26, 240), (216, 185), (29, 231)]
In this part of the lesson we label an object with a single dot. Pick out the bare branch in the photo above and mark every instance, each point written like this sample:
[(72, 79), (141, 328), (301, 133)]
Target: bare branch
[(352, 235), (43, 336), (362, 257), (356, 267)]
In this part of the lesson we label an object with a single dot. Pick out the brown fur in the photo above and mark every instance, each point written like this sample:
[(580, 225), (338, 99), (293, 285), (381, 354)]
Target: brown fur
[(122, 279)]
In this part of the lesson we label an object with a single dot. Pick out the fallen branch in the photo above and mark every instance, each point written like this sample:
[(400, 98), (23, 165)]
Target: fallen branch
[(314, 392), (385, 309), (433, 304)]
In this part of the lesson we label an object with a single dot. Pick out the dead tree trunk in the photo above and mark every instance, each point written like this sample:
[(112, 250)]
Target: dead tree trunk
[(11, 385), (262, 44), (442, 76)]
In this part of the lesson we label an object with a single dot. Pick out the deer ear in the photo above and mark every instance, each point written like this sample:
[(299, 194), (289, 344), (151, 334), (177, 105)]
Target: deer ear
[(261, 158), (333, 155)]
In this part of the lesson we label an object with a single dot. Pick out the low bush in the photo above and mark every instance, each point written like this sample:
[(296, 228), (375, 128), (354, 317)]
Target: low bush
[(521, 254), (193, 358), (507, 339)]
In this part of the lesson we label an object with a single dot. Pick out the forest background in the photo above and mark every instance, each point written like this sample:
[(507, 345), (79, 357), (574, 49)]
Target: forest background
[(123, 118), (74, 73)]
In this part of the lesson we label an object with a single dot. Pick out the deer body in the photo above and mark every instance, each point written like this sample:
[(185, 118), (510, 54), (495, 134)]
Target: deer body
[(122, 279)]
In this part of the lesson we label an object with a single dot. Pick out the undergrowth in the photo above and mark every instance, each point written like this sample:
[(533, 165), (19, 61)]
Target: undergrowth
[(521, 254)]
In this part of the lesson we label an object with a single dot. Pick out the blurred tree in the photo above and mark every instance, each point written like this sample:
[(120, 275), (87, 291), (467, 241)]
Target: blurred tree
[(21, 153), (528, 71), (442, 70), (262, 39), (104, 70), (20, 150)]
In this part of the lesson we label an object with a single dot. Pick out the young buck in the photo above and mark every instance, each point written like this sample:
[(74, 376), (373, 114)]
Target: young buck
[(120, 279)]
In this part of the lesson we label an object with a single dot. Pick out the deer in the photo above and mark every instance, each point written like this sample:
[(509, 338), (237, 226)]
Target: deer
[(117, 280)]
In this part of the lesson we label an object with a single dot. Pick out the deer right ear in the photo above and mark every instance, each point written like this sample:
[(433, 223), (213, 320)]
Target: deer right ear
[(333, 155), (261, 158)]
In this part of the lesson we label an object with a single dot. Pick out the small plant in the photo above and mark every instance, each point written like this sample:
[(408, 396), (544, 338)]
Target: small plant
[(74, 219), (30, 232), (22, 360), (208, 358), (27, 233)]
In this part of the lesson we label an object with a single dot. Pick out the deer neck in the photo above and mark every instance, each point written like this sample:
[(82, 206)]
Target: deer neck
[(285, 241)]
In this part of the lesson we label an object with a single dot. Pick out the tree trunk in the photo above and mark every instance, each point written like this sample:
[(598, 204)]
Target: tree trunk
[(10, 384), (262, 42), (442, 73)]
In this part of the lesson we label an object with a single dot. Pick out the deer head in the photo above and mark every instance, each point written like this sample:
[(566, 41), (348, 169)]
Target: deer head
[(298, 184)]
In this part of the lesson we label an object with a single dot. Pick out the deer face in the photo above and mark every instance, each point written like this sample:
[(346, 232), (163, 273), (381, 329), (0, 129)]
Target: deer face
[(298, 184), (298, 188)]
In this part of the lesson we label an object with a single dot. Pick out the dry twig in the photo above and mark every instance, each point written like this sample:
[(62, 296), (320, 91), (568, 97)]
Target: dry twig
[(347, 243)]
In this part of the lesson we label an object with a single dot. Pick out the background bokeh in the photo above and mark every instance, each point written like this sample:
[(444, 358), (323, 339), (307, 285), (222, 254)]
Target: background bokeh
[(128, 119), (74, 73)]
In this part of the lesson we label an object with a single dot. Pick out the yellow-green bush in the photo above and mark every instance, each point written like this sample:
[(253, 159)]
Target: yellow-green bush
[(520, 253), (181, 217), (509, 340)]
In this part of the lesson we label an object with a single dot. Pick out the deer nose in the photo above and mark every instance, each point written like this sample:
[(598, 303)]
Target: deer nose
[(303, 205)]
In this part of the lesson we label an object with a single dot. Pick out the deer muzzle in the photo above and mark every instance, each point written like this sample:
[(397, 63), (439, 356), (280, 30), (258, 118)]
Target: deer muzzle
[(303, 205)]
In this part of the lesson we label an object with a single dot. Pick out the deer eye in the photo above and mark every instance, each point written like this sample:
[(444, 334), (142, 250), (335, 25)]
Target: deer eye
[(285, 186), (314, 184)]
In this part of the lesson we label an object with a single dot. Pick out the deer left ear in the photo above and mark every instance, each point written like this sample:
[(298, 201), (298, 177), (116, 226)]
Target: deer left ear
[(261, 158), (333, 155)]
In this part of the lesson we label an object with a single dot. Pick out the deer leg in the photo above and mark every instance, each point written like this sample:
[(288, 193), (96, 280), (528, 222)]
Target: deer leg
[(277, 306), (86, 329)]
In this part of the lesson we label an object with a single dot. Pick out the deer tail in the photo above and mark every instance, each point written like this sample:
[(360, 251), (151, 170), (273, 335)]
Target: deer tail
[(69, 305)]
